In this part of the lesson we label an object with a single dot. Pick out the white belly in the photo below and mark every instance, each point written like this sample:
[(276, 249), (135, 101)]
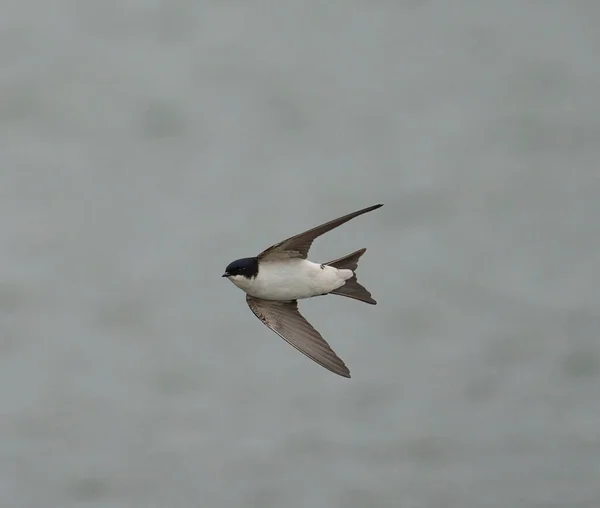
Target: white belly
[(292, 279)]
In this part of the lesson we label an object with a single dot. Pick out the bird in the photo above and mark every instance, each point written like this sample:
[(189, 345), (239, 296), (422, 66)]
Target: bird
[(281, 275)]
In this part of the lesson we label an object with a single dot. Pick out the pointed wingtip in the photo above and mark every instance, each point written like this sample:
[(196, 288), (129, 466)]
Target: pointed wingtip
[(340, 369), (372, 207)]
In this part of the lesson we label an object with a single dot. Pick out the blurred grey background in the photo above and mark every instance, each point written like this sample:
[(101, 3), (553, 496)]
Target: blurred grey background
[(145, 145)]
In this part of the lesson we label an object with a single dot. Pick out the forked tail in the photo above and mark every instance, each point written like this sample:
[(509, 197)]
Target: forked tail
[(351, 288)]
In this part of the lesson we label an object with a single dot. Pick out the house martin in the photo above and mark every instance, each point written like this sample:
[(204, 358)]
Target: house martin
[(281, 275)]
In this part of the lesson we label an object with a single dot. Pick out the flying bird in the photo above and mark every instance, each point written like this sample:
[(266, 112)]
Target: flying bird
[(281, 275)]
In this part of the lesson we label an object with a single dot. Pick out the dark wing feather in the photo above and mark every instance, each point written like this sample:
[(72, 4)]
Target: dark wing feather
[(299, 245), (285, 320)]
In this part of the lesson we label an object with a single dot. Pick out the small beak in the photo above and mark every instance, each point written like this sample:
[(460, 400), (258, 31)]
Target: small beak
[(225, 275)]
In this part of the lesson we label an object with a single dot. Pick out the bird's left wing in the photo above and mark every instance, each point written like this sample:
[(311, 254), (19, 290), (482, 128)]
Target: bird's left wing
[(298, 246)]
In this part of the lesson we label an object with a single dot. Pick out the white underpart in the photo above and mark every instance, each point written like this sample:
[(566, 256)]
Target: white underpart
[(292, 279)]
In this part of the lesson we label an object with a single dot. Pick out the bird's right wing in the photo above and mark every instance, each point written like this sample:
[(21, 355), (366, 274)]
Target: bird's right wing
[(287, 322)]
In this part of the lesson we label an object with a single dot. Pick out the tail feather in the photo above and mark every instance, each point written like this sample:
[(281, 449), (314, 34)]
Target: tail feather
[(351, 288), (349, 262)]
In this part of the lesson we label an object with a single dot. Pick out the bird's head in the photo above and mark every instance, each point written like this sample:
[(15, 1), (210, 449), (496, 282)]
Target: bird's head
[(246, 268)]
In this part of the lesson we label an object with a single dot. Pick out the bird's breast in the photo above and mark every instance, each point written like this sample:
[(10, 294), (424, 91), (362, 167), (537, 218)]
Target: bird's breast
[(293, 279)]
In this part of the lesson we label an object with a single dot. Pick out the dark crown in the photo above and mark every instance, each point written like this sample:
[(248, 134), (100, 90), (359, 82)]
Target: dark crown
[(248, 267)]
